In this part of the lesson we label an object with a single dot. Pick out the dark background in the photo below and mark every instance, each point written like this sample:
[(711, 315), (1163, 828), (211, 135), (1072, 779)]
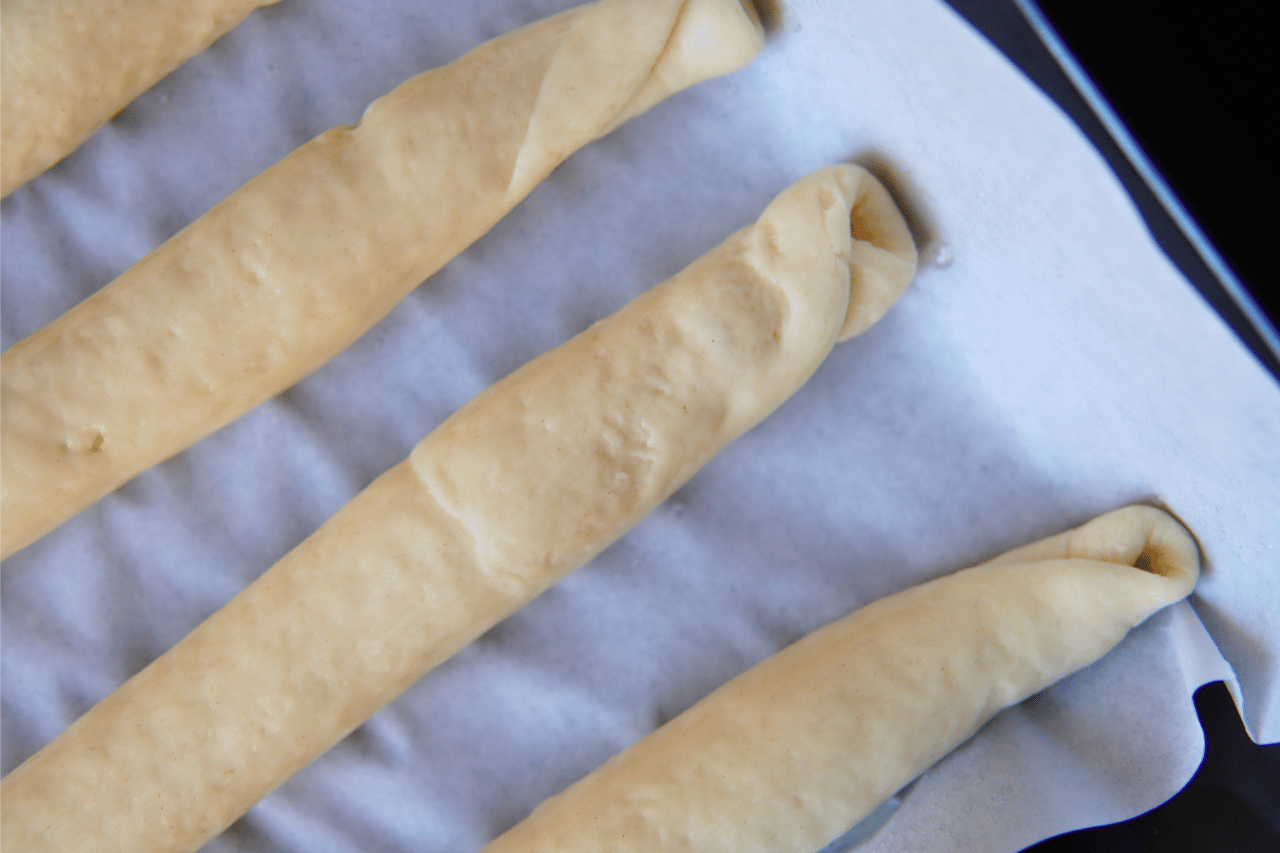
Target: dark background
[(1231, 805), (1198, 91), (1196, 86)]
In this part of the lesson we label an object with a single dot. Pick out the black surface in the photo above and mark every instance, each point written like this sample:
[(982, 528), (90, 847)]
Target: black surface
[(1194, 91), (1197, 91), (1231, 804)]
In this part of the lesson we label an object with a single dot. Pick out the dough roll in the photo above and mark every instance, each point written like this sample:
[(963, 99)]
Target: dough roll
[(290, 269), (792, 753), (532, 478), (70, 66)]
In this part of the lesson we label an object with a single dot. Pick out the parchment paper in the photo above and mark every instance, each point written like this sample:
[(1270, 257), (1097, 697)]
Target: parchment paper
[(1047, 365)]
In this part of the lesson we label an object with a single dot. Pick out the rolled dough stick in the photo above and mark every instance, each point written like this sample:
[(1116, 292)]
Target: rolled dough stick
[(529, 480), (70, 66), (294, 266), (792, 753)]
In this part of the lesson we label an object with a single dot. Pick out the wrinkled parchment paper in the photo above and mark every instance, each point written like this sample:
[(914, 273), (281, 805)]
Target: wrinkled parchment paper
[(1048, 365)]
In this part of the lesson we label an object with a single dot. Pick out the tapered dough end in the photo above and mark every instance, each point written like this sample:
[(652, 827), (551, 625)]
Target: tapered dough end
[(711, 38), (882, 258), (837, 233), (1142, 537)]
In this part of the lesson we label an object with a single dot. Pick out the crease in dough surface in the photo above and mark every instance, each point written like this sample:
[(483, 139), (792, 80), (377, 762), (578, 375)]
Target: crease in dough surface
[(789, 755), (70, 66), (532, 478), (303, 259)]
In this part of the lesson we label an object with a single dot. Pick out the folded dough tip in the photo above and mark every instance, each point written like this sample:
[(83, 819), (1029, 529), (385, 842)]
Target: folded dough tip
[(711, 38), (883, 257), (1146, 538)]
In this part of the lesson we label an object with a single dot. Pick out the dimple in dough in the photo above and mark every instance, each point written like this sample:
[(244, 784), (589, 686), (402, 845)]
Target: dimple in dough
[(529, 480), (792, 753), (69, 67), (290, 269)]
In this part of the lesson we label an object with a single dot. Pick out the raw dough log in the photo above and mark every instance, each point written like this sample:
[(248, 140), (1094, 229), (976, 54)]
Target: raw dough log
[(70, 66), (290, 269), (529, 480), (795, 751)]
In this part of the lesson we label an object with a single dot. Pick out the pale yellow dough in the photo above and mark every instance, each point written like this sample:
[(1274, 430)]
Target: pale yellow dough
[(792, 753), (294, 266), (526, 482), (70, 66)]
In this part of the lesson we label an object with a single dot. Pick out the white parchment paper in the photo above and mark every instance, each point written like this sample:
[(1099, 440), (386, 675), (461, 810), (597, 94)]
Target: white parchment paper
[(1047, 365)]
